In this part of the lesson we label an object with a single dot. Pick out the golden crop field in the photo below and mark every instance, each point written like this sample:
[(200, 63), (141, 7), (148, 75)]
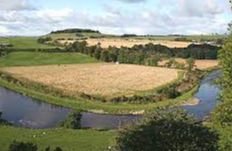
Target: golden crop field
[(200, 64), (118, 42), (97, 79)]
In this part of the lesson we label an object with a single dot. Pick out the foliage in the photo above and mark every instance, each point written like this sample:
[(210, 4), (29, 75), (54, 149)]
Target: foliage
[(169, 130), (56, 149), (222, 115), (75, 30), (73, 121), (44, 40), (148, 54), (21, 146), (190, 64)]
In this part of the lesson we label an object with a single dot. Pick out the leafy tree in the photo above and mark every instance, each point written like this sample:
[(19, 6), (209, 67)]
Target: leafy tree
[(190, 64), (21, 146), (105, 56), (167, 130), (44, 39), (222, 115)]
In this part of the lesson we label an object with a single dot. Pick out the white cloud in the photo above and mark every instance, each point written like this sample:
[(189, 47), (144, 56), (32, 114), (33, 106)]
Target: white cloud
[(199, 8), (185, 17), (4, 30), (15, 5)]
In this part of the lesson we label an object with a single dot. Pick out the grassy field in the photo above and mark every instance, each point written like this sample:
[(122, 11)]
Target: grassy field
[(99, 79), (68, 140), (40, 58), (24, 42)]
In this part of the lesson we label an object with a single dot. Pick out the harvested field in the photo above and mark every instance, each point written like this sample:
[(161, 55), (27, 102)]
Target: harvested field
[(200, 64), (204, 64), (118, 42), (97, 79)]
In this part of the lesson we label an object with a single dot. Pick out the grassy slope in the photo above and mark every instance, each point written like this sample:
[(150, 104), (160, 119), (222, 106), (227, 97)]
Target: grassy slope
[(24, 42), (40, 58), (68, 140)]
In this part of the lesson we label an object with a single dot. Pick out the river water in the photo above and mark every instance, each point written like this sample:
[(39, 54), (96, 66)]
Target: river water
[(27, 112)]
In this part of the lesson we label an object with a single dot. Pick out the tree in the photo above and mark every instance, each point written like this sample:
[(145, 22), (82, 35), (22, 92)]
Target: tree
[(105, 56), (73, 121), (222, 115), (21, 146), (167, 130), (190, 64)]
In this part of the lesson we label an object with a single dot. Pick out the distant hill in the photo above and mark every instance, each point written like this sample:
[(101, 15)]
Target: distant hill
[(75, 30)]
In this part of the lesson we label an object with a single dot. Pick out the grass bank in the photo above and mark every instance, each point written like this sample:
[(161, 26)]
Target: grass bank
[(67, 139)]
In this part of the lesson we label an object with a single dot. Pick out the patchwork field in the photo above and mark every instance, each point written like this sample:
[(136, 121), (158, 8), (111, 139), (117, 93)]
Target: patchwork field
[(97, 79), (119, 42)]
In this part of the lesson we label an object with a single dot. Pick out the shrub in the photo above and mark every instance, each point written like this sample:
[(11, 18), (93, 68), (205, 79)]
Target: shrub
[(56, 149), (73, 121), (167, 130), (21, 146)]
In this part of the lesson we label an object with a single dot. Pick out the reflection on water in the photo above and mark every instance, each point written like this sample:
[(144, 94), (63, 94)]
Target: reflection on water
[(27, 112), (207, 94), (24, 111)]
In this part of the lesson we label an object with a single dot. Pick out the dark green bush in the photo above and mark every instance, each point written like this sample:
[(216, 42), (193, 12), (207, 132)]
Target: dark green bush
[(73, 121), (21, 146), (167, 130)]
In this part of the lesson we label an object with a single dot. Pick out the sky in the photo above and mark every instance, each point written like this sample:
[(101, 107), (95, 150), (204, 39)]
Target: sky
[(142, 17)]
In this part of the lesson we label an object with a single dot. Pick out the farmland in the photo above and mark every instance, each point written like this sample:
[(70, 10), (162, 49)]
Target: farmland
[(24, 58), (200, 64), (97, 79), (24, 42), (124, 42)]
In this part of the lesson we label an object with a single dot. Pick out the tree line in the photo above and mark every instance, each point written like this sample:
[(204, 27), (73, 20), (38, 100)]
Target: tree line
[(148, 54)]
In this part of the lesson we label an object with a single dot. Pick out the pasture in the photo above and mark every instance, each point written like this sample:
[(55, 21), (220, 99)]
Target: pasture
[(97, 79), (24, 42), (25, 58), (67, 139)]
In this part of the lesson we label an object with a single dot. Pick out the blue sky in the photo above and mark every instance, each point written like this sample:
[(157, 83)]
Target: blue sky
[(159, 17)]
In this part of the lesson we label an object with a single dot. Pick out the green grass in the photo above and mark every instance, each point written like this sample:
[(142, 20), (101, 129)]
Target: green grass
[(24, 42), (23, 58), (67, 139)]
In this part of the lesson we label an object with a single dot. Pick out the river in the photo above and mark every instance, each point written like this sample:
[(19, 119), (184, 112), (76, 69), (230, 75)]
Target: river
[(27, 112)]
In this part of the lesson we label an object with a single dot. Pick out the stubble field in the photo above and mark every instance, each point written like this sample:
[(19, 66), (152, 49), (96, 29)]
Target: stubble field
[(130, 42), (97, 79)]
